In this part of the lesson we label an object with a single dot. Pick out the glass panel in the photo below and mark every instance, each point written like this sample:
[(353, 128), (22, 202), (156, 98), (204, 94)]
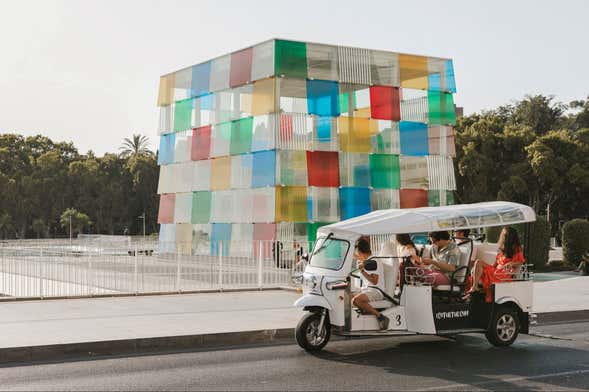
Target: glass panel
[(413, 138), (264, 231), (264, 169), (264, 131), (183, 208), (201, 143), (384, 68), (384, 171), (166, 150), (263, 60), (242, 235), (385, 103), (414, 105), (167, 238), (384, 199), (183, 238), (440, 172), (166, 210), (166, 119), (242, 207), (264, 99), (222, 206), (413, 71), (291, 59), (323, 168), (322, 98), (354, 65), (387, 139), (291, 204), (413, 198), (329, 253), (241, 67), (354, 169), (221, 139), (322, 62), (165, 180), (324, 134), (292, 168), (182, 177), (241, 171), (201, 239), (220, 173), (355, 133), (241, 136), (201, 75), (450, 81), (220, 73), (220, 238), (323, 204), (414, 173), (295, 131), (293, 95), (166, 90), (204, 111), (242, 101), (201, 175), (183, 84), (312, 231), (441, 140), (264, 206), (441, 108), (201, 207), (354, 201), (224, 107), (434, 198), (182, 147)]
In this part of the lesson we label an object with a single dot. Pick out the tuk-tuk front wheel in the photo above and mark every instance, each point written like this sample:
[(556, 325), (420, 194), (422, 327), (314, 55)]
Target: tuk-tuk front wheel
[(504, 327), (307, 333)]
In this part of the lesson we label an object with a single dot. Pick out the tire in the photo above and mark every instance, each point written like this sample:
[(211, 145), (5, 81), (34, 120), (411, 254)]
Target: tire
[(306, 329), (504, 327)]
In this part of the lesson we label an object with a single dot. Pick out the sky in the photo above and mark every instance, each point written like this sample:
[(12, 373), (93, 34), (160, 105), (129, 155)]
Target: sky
[(87, 71)]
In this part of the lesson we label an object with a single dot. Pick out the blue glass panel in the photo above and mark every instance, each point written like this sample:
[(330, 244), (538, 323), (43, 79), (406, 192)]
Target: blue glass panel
[(362, 175), (200, 79), (450, 81), (166, 151), (413, 138), (434, 82), (322, 98), (207, 102), (324, 129), (264, 169), (220, 232), (354, 201), (167, 238)]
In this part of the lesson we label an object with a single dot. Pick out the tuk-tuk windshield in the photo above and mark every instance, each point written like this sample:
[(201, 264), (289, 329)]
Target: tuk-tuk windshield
[(329, 253)]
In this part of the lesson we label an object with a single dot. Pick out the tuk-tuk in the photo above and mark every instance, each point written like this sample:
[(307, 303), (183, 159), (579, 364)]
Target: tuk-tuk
[(414, 306)]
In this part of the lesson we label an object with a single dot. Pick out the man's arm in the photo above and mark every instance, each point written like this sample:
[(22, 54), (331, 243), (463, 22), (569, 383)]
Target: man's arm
[(441, 265), (372, 278)]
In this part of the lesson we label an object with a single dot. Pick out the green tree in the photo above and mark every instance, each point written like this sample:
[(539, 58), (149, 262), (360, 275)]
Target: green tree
[(136, 145), (39, 227), (74, 221)]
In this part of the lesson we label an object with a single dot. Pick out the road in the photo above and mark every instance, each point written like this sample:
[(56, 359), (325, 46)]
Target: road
[(557, 361)]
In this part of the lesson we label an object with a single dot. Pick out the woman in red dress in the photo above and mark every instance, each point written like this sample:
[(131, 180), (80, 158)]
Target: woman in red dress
[(510, 257)]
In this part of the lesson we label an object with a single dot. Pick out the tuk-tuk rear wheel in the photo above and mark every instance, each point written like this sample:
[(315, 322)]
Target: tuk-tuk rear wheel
[(504, 327), (307, 332)]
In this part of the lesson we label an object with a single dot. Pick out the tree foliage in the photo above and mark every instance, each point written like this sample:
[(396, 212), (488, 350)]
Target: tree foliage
[(575, 240), (40, 179)]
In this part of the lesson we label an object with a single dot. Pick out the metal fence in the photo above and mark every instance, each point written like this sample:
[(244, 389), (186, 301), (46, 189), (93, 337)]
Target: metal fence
[(44, 269)]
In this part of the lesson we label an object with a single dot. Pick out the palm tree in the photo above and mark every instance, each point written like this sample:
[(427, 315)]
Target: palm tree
[(137, 145)]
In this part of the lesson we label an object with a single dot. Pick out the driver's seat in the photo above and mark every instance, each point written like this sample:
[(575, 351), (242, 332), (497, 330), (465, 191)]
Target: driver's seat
[(390, 272)]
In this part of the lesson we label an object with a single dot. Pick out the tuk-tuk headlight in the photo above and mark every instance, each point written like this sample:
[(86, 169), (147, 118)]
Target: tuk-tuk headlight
[(312, 283)]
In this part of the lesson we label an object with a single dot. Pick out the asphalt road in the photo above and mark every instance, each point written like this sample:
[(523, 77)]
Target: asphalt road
[(559, 360)]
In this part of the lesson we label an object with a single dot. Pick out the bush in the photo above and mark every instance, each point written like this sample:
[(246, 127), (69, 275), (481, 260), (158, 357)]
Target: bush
[(492, 234), (537, 245), (575, 240)]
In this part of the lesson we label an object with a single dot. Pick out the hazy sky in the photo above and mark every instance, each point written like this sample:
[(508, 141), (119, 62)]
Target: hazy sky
[(87, 71)]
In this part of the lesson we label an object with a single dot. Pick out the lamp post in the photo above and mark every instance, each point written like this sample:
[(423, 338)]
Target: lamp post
[(70, 229), (142, 216)]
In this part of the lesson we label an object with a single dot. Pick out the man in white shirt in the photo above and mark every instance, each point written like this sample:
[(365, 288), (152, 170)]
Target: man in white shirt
[(372, 283)]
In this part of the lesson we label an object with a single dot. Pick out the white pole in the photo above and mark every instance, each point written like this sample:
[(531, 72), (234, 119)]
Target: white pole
[(260, 264)]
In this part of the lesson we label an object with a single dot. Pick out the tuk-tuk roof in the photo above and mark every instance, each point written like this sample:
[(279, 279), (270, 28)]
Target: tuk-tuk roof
[(427, 219)]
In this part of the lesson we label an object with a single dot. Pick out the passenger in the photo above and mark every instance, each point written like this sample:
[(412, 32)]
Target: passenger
[(510, 255), (406, 247), (445, 258), (461, 236), (372, 282)]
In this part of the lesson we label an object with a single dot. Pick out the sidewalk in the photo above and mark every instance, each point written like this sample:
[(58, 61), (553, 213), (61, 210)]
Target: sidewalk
[(35, 329)]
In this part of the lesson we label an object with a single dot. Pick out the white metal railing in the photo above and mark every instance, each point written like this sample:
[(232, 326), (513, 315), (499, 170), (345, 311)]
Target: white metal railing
[(44, 269)]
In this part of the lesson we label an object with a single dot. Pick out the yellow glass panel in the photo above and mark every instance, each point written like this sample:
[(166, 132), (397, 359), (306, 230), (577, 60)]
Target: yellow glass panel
[(220, 173), (166, 91), (364, 112), (414, 71), (291, 204), (355, 133), (264, 100), (184, 238), (245, 103)]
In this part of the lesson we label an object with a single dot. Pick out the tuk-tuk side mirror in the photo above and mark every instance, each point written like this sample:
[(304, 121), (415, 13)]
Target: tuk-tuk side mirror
[(305, 257), (370, 265)]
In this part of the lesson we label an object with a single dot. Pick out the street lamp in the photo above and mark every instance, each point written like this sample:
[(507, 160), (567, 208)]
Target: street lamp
[(142, 216)]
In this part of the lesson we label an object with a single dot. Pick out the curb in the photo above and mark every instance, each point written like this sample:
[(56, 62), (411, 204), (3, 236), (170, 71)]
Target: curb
[(144, 345), (562, 317)]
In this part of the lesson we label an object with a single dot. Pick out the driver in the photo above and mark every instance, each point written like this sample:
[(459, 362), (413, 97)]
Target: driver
[(372, 283)]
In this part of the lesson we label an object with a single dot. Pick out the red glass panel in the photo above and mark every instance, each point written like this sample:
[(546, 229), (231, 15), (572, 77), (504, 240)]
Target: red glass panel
[(385, 103), (201, 143), (241, 67), (166, 211), (264, 234), (323, 168), (413, 198), (286, 127)]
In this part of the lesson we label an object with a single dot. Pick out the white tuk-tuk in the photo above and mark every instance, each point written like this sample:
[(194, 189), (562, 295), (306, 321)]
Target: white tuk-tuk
[(416, 307)]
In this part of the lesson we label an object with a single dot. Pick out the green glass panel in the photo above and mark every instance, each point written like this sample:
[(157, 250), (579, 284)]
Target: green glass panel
[(384, 171), (201, 207), (450, 198), (183, 115), (312, 231), (344, 106), (291, 59), (241, 136), (441, 108), (433, 198)]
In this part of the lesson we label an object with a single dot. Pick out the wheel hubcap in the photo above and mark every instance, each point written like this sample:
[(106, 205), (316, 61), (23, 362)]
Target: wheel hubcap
[(506, 327), (314, 336)]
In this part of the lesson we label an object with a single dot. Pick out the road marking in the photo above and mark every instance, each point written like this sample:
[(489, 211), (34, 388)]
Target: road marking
[(508, 380)]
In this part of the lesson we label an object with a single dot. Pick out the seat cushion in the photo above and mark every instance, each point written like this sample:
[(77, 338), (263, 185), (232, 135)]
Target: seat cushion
[(382, 304), (446, 287)]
